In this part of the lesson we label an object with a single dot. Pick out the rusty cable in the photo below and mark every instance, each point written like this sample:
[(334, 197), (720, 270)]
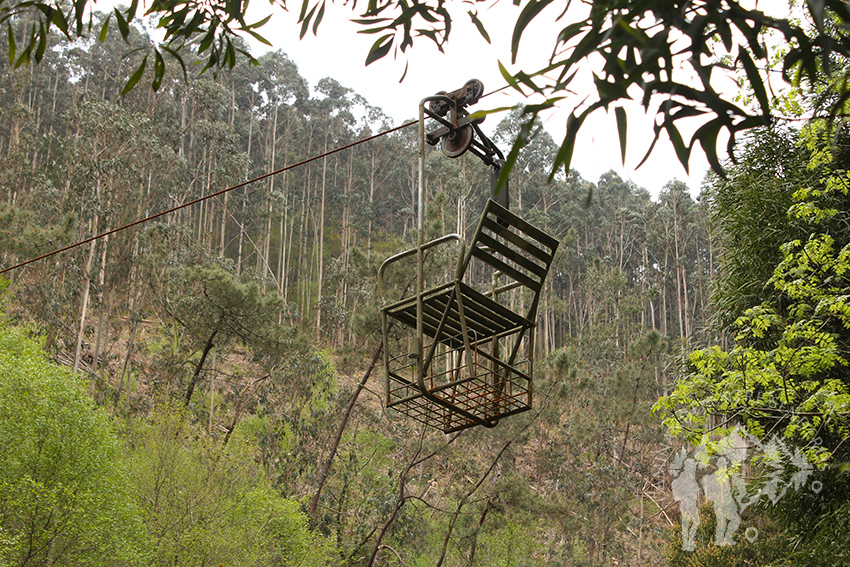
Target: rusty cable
[(210, 196)]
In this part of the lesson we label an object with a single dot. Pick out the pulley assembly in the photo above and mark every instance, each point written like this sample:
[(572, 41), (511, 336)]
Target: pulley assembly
[(458, 132), (458, 129)]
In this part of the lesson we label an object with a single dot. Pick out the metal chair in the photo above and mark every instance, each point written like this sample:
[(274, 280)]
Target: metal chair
[(461, 353)]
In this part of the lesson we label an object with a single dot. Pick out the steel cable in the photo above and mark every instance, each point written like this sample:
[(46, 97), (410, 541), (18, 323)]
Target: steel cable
[(206, 197)]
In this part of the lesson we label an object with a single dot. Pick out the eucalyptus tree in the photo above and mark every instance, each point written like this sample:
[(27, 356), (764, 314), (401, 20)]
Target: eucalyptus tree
[(529, 176), (104, 65), (749, 218), (386, 156), (367, 171), (571, 263), (639, 43), (283, 92), (331, 122), (677, 220), (676, 238), (111, 153)]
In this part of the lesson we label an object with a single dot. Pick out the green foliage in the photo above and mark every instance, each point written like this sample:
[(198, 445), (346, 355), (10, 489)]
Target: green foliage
[(764, 546), (211, 29), (204, 502), (749, 218), (826, 543), (20, 233), (69, 495), (210, 296), (639, 45), (64, 491), (246, 267), (214, 306), (511, 542), (787, 372)]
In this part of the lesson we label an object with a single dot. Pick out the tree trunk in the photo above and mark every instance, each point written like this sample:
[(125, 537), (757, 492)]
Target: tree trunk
[(130, 341), (245, 190), (474, 544), (198, 367), (212, 396), (269, 200), (686, 305), (221, 241), (467, 496), (240, 408), (314, 502), (321, 243), (86, 284), (101, 279)]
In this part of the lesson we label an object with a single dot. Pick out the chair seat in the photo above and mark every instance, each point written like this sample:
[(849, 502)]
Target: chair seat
[(484, 317)]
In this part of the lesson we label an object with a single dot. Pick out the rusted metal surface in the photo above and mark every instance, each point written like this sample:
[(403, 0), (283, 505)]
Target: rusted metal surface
[(458, 131), (474, 334), (467, 95), (462, 354)]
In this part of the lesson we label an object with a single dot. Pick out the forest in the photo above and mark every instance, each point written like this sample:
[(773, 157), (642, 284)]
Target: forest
[(206, 388)]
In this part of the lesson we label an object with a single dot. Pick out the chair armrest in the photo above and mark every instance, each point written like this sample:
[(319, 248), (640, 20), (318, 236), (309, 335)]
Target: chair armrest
[(412, 251)]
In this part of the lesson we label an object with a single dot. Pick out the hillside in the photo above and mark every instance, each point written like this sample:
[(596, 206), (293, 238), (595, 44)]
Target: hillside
[(226, 340)]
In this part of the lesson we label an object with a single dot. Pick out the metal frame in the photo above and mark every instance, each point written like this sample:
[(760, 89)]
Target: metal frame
[(485, 346)]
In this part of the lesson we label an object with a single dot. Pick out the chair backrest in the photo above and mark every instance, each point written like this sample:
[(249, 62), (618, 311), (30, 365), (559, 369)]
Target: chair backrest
[(514, 248)]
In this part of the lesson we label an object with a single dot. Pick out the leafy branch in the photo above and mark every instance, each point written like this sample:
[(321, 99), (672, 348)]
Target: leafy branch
[(207, 28), (662, 55)]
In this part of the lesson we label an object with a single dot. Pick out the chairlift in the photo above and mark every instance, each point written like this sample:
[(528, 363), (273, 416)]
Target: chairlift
[(459, 353)]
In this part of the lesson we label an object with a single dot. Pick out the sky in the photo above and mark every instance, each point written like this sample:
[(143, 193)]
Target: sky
[(339, 52)]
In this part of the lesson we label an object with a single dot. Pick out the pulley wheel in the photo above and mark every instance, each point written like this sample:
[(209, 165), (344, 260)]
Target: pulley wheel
[(455, 144), (439, 107), (474, 89)]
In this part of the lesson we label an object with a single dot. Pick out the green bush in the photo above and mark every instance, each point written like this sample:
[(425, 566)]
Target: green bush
[(205, 503), (64, 494)]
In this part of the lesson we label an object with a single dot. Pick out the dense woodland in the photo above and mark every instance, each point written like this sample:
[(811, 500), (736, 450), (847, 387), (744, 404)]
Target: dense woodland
[(211, 375)]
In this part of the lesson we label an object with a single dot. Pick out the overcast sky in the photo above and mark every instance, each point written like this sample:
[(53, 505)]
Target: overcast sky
[(340, 52)]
